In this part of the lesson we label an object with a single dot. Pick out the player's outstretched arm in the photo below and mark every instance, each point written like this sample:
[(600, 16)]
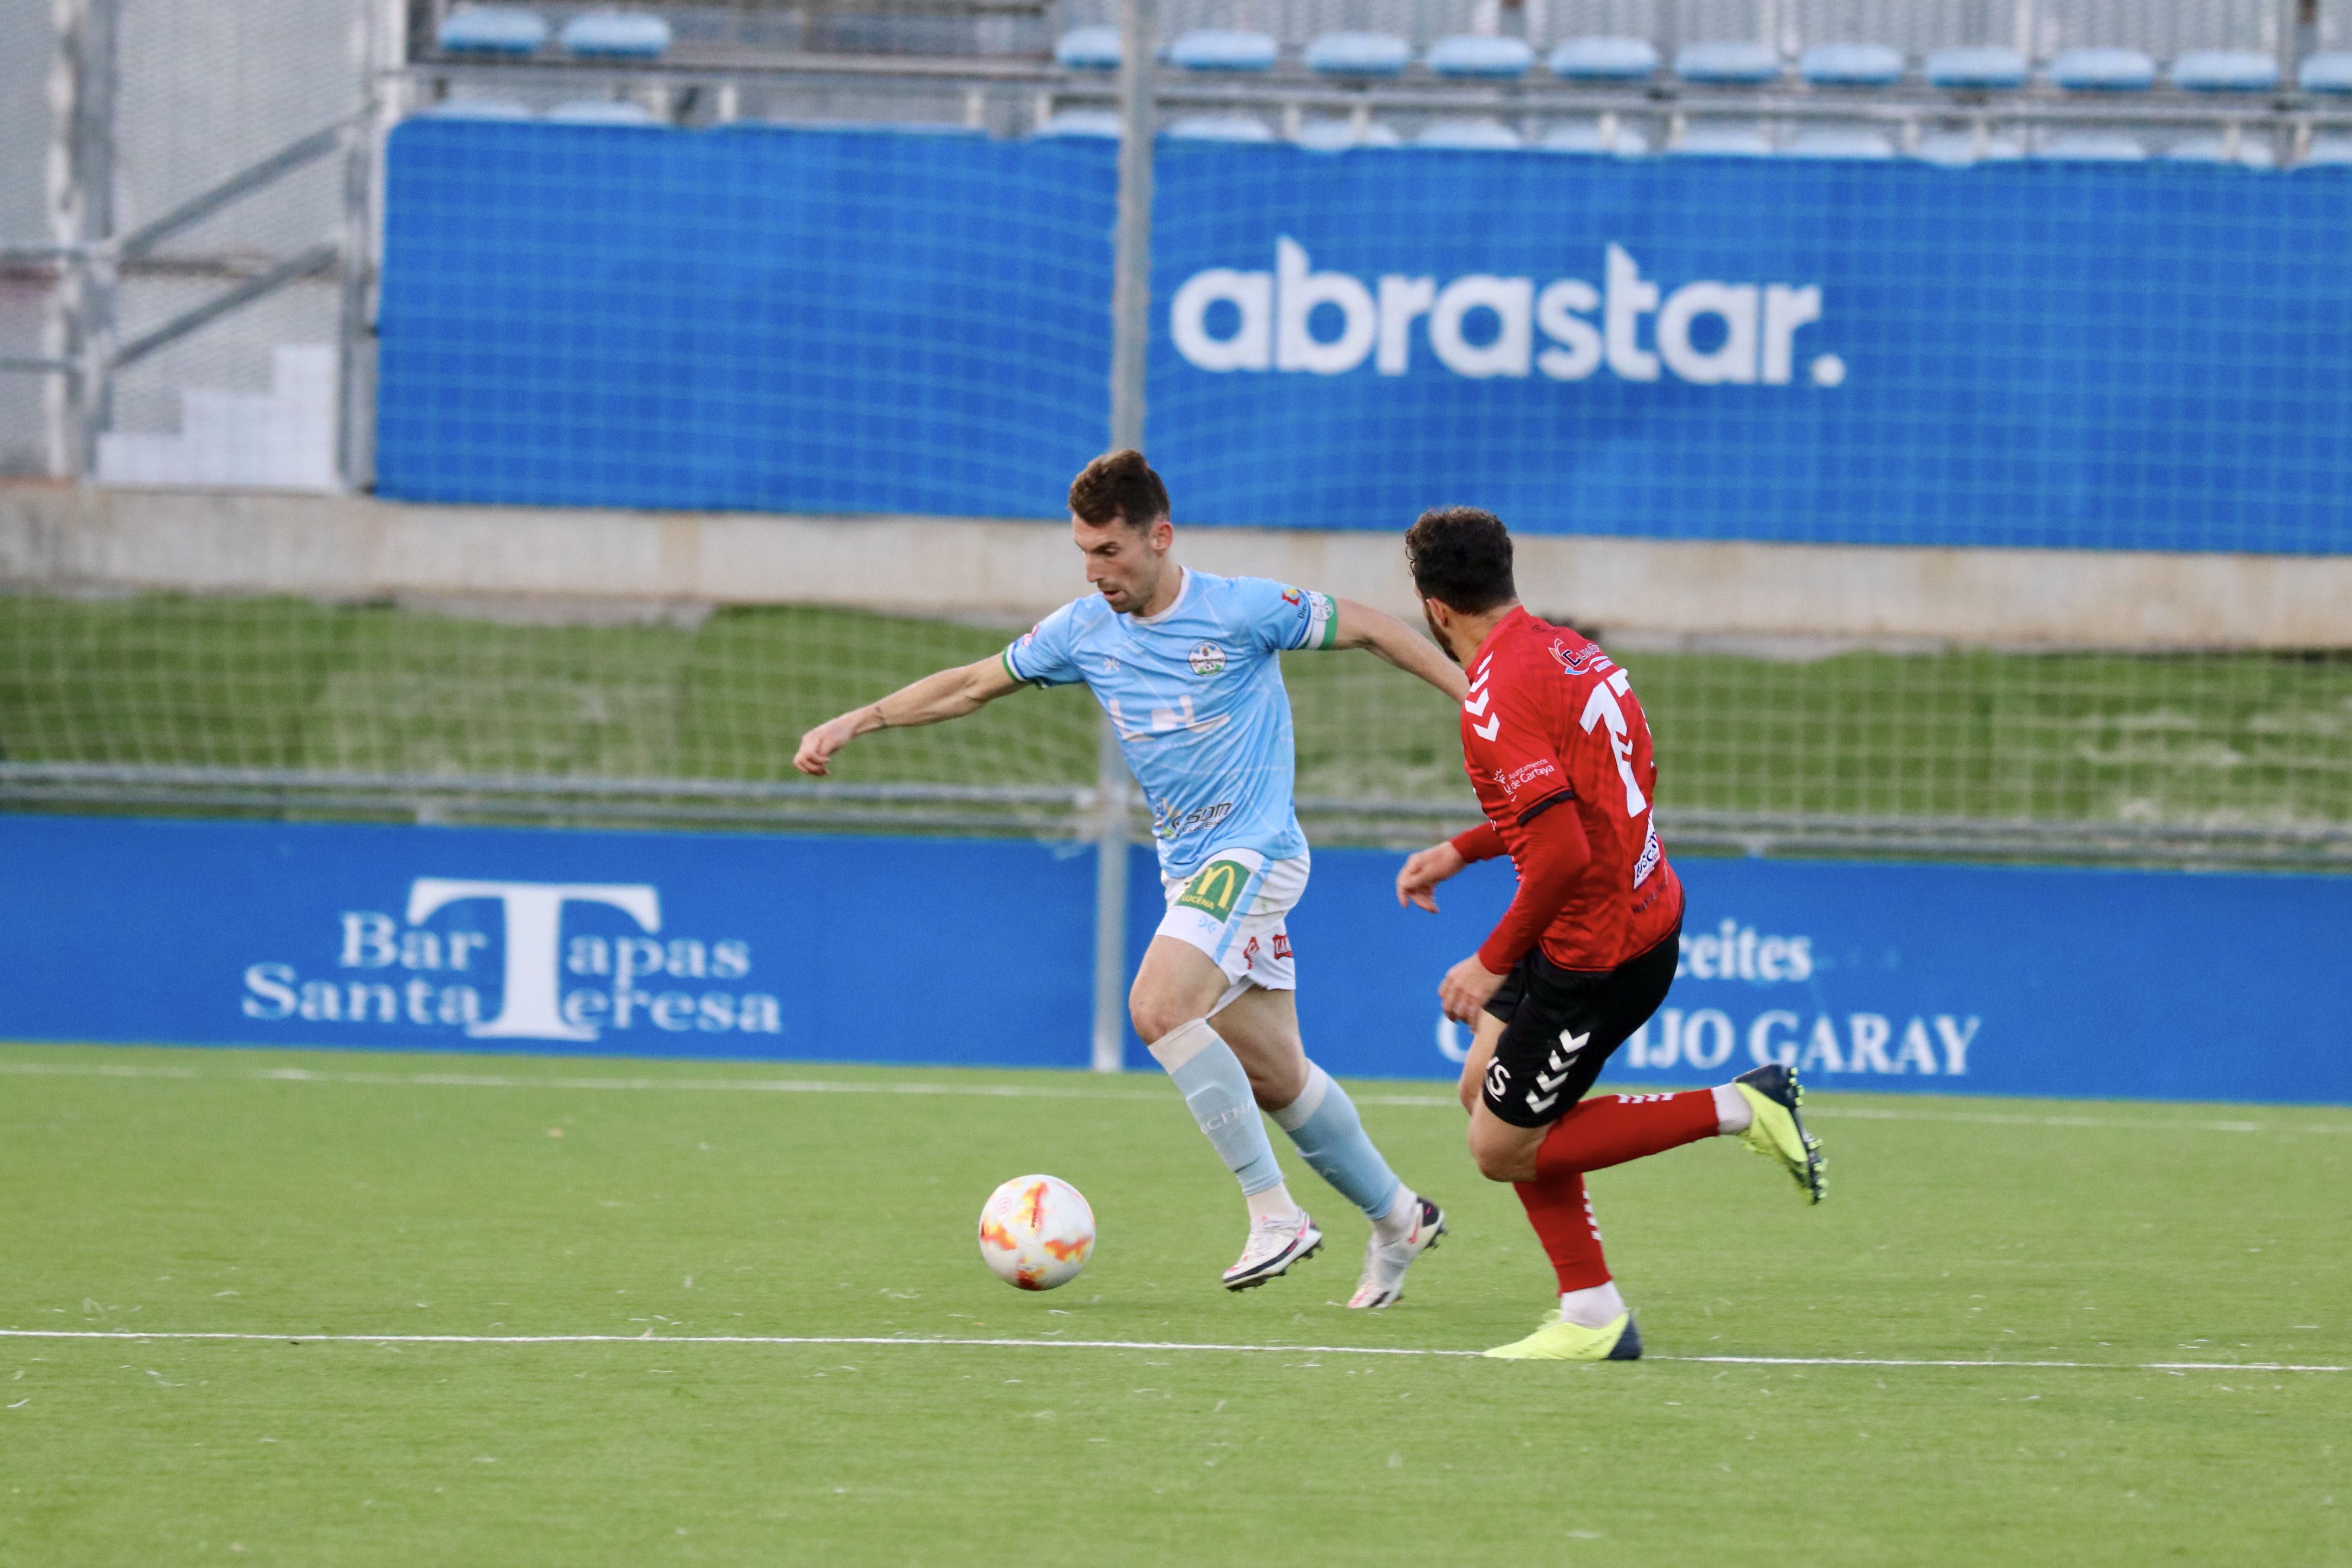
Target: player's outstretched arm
[(1386, 638), (949, 694)]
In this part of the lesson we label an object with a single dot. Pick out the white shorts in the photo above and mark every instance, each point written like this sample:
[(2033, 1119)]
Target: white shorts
[(1233, 909)]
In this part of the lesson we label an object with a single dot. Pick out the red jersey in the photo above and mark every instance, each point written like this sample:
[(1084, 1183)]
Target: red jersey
[(1551, 724)]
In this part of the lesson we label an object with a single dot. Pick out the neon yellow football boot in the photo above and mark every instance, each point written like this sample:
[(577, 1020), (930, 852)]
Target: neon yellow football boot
[(1777, 1131), (1619, 1340)]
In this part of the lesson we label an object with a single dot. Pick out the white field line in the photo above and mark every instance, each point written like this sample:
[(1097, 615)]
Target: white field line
[(1043, 1092), (649, 1337)]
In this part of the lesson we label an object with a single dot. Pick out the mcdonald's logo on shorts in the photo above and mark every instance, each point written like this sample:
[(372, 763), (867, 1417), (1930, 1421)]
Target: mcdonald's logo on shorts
[(1214, 889)]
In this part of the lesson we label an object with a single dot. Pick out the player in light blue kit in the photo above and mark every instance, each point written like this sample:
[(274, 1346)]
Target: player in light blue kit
[(1187, 667)]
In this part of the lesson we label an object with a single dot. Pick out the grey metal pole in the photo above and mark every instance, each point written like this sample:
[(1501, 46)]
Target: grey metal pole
[(81, 217), (1131, 341), (1111, 902), (2292, 14), (1130, 298)]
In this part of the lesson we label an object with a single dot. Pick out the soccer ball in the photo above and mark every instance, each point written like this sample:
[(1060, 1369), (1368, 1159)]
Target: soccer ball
[(1036, 1232)]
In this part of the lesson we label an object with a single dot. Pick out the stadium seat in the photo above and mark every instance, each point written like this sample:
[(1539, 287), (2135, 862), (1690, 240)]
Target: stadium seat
[(601, 112), (1838, 142), (2225, 70), (1850, 65), (1223, 49), (2091, 147), (491, 30), (1331, 134), (1605, 59), (1081, 123), (2102, 71), (1471, 135), (478, 108), (1586, 136), (2255, 151), (2330, 147), (1087, 50), (1358, 54), (615, 35), (2326, 73), (1959, 149), (1724, 141), (1725, 64), (1978, 69), (1219, 128), (1481, 55)]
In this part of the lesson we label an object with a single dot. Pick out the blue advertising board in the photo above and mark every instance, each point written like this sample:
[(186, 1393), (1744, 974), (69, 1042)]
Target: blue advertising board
[(2021, 353), (1923, 979)]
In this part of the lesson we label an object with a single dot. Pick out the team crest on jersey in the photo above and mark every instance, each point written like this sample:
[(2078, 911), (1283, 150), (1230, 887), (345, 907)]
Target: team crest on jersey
[(1576, 661), (1208, 659)]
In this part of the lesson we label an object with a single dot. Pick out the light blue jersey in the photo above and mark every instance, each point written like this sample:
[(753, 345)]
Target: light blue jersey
[(1196, 692)]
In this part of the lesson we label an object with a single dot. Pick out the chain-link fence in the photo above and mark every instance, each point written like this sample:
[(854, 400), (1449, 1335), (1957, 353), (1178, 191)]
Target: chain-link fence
[(187, 297)]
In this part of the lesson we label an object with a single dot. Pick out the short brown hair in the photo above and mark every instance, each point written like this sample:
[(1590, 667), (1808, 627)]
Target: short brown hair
[(1118, 487), (1461, 557)]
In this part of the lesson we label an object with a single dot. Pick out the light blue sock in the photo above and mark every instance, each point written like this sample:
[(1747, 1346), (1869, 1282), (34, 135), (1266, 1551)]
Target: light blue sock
[(1217, 1092), (1330, 1138)]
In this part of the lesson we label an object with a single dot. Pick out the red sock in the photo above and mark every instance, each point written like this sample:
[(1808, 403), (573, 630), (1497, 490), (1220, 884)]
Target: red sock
[(1561, 1212), (1616, 1128)]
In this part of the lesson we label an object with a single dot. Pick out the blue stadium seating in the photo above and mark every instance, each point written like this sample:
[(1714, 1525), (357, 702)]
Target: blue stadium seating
[(2102, 71), (1959, 149), (1087, 50), (2254, 150), (1605, 59), (491, 30), (1219, 128), (1472, 134), (1358, 54), (1838, 142), (1585, 136), (1223, 49), (1081, 123), (1481, 55), (601, 111), (2091, 147), (2326, 73), (1850, 65), (2225, 70), (1336, 135), (1724, 141), (615, 35), (478, 108), (1725, 64), (1979, 67)]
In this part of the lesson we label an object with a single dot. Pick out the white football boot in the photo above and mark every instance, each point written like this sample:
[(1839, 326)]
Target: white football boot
[(1274, 1246), (1384, 1264)]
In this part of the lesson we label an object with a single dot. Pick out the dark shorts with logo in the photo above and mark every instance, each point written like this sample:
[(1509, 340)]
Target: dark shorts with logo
[(1561, 1027)]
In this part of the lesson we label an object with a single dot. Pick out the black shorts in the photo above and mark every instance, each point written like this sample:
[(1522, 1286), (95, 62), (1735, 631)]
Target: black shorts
[(1561, 1027)]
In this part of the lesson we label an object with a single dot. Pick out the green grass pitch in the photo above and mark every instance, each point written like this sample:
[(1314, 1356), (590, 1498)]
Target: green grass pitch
[(174, 1192)]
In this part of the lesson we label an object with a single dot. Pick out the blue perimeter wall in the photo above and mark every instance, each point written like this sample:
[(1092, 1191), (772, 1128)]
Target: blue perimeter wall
[(2025, 353), (1925, 979)]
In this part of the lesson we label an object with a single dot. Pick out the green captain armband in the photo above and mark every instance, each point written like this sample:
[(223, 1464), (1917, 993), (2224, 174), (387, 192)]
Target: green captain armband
[(1323, 624)]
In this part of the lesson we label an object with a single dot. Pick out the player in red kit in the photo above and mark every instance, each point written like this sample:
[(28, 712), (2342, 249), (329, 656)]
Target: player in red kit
[(1556, 744)]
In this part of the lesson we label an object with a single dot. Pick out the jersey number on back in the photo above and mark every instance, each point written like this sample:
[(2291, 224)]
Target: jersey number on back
[(1601, 707)]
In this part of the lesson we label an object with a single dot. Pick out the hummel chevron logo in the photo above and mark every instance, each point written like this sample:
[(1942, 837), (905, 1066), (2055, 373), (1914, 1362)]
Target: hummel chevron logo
[(1486, 731), (1478, 710), (1574, 1043), (1553, 1080), (1540, 1106)]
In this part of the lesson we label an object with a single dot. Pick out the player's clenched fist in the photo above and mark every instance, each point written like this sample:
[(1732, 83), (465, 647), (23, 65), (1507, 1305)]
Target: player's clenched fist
[(819, 745), (1423, 872)]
